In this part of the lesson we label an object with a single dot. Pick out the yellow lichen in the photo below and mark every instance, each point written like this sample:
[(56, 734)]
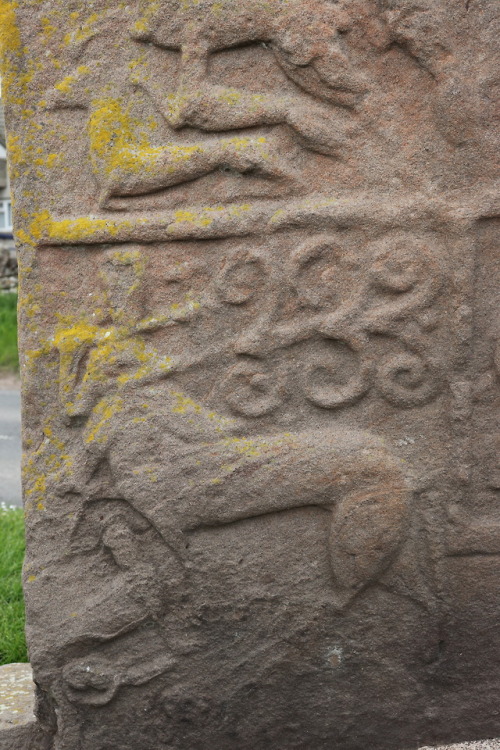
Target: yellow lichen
[(118, 347), (44, 227), (66, 84), (230, 96), (136, 62), (10, 38), (115, 140), (70, 339), (199, 220), (150, 7), (48, 161), (119, 142), (48, 28), (16, 154), (241, 143), (185, 404), (85, 30), (49, 461), (101, 416), (13, 80)]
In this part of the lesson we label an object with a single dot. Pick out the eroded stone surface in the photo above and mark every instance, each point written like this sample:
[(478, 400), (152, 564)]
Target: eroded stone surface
[(260, 370)]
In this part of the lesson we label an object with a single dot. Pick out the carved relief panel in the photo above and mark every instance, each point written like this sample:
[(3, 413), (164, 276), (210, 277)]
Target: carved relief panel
[(247, 319)]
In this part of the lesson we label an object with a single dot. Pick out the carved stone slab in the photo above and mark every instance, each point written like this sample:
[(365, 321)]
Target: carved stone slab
[(259, 330)]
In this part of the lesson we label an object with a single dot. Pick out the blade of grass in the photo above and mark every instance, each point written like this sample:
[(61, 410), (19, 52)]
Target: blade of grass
[(12, 545), (9, 360)]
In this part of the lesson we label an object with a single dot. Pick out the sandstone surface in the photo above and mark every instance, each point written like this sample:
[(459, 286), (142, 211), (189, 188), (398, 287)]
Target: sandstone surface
[(260, 360)]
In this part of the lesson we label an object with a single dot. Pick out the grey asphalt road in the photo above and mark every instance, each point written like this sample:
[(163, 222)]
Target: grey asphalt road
[(10, 447)]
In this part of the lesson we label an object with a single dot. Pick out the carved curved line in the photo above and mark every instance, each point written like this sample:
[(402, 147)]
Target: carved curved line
[(400, 395), (352, 391)]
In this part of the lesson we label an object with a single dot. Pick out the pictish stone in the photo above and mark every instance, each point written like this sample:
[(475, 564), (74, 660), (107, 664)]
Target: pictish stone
[(259, 340)]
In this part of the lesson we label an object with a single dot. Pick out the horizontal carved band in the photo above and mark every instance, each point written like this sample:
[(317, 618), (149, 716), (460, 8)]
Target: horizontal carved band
[(320, 211)]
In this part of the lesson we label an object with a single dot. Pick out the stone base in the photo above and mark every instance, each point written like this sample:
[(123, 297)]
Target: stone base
[(482, 745), (18, 728), (19, 731)]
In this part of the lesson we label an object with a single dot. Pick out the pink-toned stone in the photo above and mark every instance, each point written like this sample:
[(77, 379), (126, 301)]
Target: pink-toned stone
[(259, 338)]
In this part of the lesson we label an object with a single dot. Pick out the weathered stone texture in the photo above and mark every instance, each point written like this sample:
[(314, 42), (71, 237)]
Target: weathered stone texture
[(19, 729), (259, 324)]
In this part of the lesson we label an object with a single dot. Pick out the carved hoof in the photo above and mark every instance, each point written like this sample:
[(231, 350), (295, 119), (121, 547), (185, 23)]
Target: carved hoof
[(366, 534), (89, 683)]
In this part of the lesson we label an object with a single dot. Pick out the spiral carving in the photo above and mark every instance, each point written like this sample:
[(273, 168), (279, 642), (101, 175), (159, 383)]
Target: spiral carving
[(407, 380), (241, 278), (332, 395), (253, 391)]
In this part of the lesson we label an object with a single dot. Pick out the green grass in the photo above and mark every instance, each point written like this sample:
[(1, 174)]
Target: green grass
[(9, 360), (12, 641)]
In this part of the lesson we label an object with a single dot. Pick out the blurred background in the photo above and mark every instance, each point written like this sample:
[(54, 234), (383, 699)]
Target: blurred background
[(10, 433), (12, 641)]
